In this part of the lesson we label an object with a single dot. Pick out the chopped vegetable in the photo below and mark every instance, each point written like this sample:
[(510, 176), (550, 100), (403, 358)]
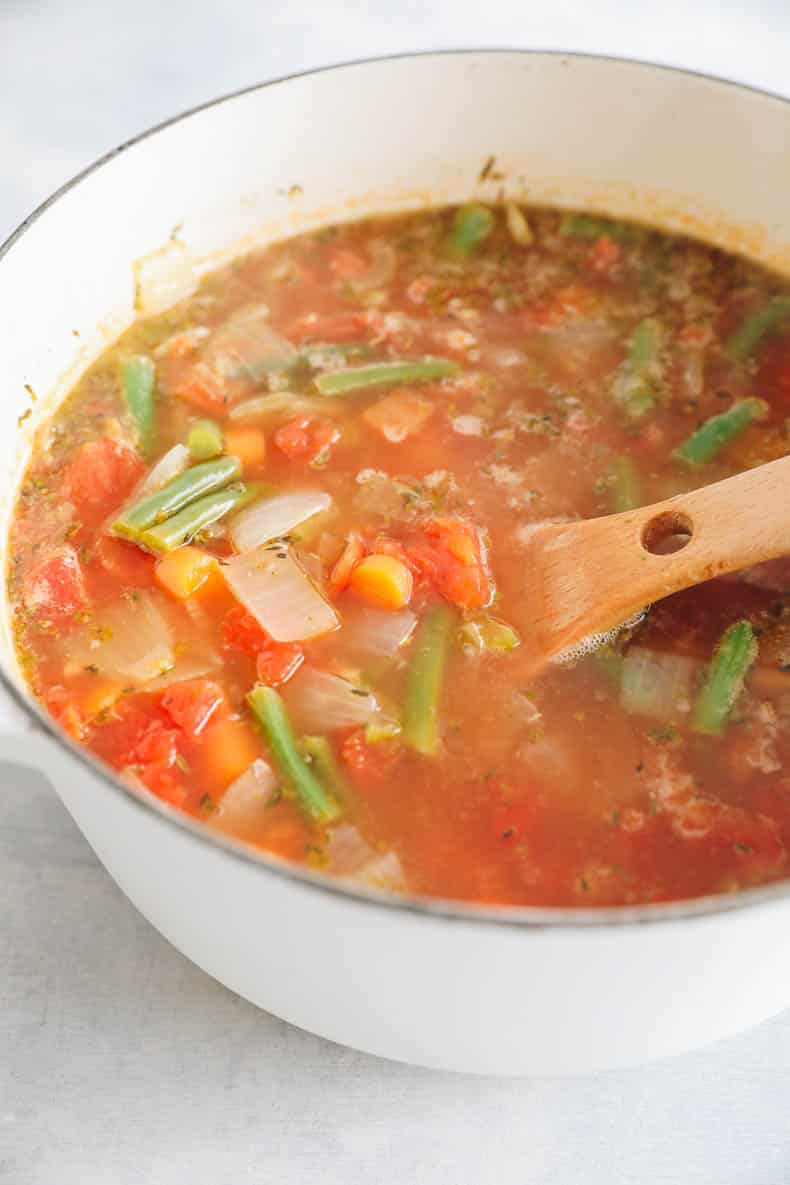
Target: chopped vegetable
[(735, 653), (321, 756), (177, 493), (425, 680), (352, 553), (247, 347), (376, 633), (228, 749), (174, 462), (248, 444), (636, 385), (590, 226), (399, 415), (624, 491), (518, 225), (382, 581), (194, 518), (486, 633), (184, 571), (130, 641), (471, 225), (655, 684), (246, 800), (138, 378), (717, 432), (753, 329), (278, 593), (308, 438), (385, 374), (271, 518), (269, 711), (323, 702), (205, 440), (54, 588), (193, 703)]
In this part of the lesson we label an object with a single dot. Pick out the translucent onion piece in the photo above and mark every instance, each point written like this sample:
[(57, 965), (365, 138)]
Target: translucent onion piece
[(271, 518), (246, 346), (245, 801), (279, 594), (175, 461), (375, 633), (655, 684), (322, 702), (163, 278), (200, 659), (352, 859), (131, 641)]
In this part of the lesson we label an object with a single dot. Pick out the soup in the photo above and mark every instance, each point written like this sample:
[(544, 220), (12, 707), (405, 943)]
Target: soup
[(266, 560)]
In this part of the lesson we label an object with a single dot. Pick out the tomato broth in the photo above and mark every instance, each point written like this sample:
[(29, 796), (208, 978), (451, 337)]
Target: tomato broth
[(267, 558)]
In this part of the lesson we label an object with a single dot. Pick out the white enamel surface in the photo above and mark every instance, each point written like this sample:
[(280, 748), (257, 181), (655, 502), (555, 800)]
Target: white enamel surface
[(459, 994)]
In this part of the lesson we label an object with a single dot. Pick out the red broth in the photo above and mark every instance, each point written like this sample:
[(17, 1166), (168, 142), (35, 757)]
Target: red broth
[(304, 629)]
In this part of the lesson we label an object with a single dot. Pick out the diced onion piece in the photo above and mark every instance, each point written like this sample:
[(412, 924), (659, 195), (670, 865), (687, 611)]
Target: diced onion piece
[(245, 801), (656, 684), (351, 858), (163, 278), (271, 518), (376, 633), (517, 224), (279, 594), (175, 461), (247, 346), (322, 702), (131, 641), (199, 660)]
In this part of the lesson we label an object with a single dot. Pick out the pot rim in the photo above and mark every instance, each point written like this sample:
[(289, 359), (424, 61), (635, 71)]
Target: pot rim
[(559, 918)]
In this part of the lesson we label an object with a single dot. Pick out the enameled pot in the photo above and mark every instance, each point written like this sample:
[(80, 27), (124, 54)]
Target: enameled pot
[(504, 991)]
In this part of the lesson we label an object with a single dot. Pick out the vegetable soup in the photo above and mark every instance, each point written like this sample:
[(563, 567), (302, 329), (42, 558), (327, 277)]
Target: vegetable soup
[(267, 558)]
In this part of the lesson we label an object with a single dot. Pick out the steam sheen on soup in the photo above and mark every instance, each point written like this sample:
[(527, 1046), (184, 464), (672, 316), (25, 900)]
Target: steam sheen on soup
[(267, 558)]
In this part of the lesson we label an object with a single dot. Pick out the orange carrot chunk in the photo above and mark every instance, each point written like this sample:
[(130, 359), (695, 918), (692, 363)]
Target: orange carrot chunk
[(383, 581)]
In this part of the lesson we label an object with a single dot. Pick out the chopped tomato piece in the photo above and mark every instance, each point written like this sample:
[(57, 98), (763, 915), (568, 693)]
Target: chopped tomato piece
[(201, 388), (276, 661), (308, 438), (328, 327), (451, 558), (54, 588), (127, 564), (573, 300), (605, 255), (352, 553), (102, 473), (193, 703), (368, 761)]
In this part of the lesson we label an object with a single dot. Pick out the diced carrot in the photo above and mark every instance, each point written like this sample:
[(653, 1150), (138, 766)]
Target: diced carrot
[(99, 477), (248, 444), (228, 748), (193, 703), (54, 588), (383, 581), (398, 415), (308, 438), (350, 556), (184, 571)]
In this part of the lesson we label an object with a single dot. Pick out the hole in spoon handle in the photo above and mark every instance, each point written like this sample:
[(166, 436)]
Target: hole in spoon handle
[(667, 532)]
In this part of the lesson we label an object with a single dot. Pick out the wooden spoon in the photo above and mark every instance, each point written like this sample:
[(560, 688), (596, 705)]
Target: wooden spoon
[(588, 577)]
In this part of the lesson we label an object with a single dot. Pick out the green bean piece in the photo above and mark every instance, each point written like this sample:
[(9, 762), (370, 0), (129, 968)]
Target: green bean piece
[(635, 387), (205, 440), (717, 432), (269, 711), (624, 485), (734, 654), (173, 532), (740, 344), (472, 223), (318, 750), (177, 493), (425, 679), (590, 226), (384, 374), (138, 379)]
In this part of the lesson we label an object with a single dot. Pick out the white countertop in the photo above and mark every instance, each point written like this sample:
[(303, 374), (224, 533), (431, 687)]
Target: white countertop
[(120, 1062)]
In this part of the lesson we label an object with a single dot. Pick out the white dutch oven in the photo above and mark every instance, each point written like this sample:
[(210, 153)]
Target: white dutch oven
[(495, 992)]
